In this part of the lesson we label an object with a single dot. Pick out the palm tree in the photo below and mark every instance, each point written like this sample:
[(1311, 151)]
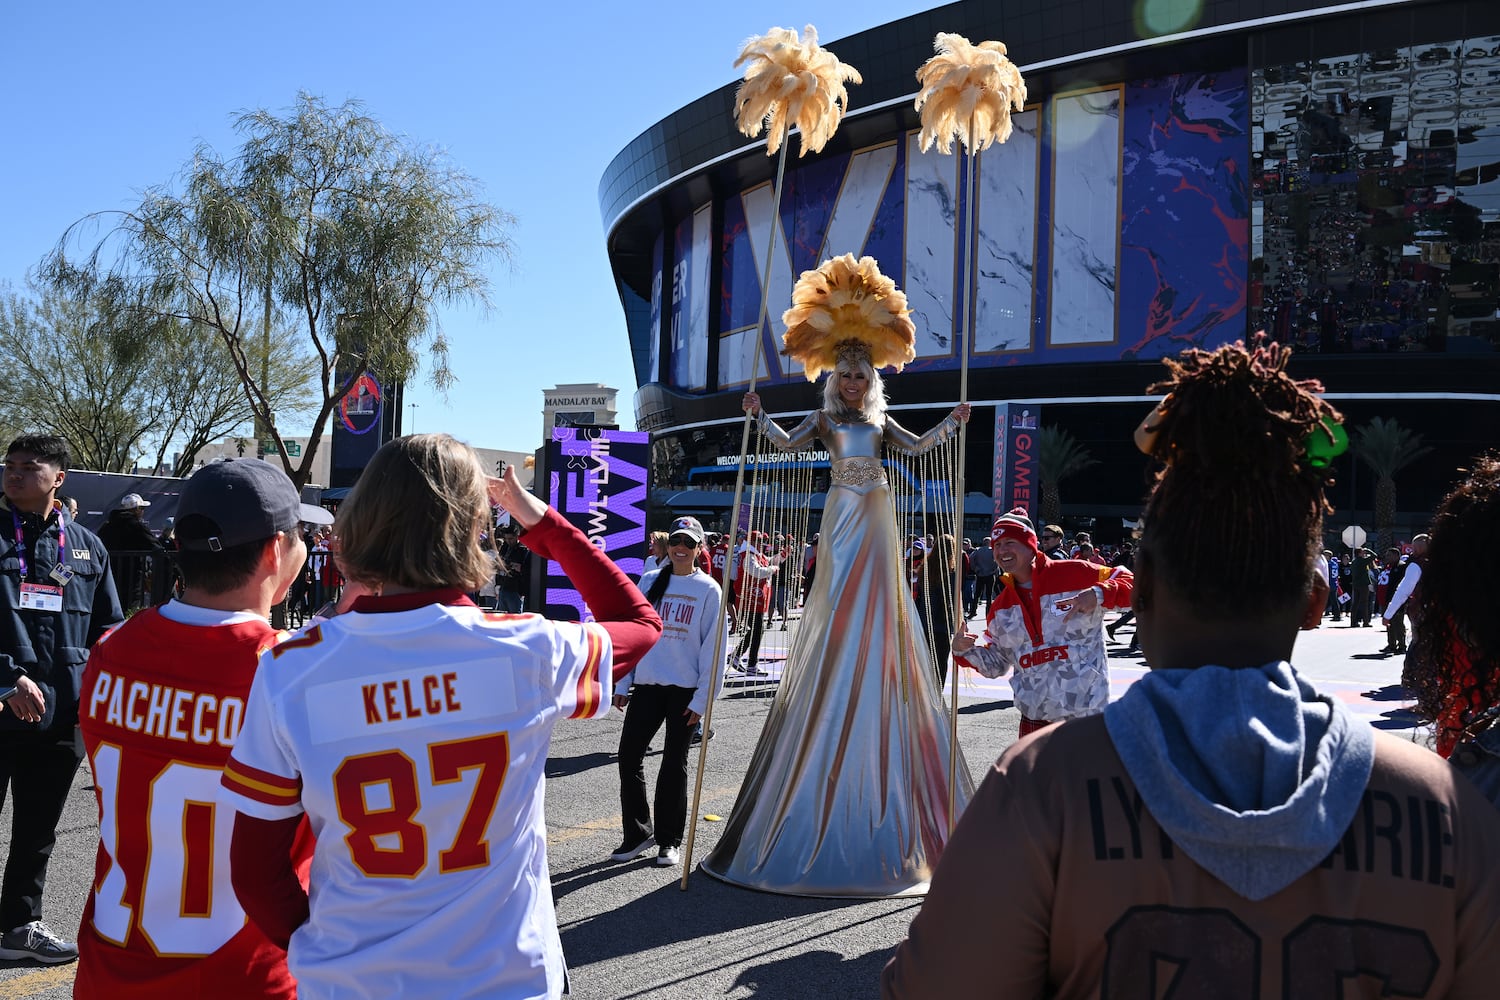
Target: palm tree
[(1059, 456), (1387, 448)]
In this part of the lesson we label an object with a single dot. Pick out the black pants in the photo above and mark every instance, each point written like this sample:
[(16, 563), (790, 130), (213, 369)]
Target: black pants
[(37, 769), (1395, 633), (1359, 605), (650, 706), (751, 639), (985, 591)]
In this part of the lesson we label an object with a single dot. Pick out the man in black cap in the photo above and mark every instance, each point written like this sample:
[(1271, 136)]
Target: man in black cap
[(512, 570), (162, 701)]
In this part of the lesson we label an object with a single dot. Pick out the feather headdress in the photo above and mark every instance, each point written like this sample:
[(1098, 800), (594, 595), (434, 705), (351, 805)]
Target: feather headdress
[(791, 81), (843, 301), (968, 92)]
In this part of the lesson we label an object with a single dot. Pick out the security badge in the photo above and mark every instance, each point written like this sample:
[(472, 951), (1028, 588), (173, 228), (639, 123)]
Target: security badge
[(62, 573), (41, 597)]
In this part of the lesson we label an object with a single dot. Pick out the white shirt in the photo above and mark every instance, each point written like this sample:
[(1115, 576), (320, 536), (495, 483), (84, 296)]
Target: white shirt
[(415, 741), (1404, 588), (684, 656)]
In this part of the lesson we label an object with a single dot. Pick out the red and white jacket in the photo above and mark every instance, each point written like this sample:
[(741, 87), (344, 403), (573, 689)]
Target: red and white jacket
[(1058, 665)]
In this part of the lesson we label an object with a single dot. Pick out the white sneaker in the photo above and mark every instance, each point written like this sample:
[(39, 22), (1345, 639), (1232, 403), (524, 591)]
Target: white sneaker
[(668, 857), (629, 852)]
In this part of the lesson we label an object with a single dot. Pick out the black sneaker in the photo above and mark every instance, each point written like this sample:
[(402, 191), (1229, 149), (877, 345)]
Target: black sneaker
[(697, 736), (628, 851), (35, 941), (668, 857)]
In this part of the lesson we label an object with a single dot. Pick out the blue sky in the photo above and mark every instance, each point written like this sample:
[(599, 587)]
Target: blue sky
[(103, 100)]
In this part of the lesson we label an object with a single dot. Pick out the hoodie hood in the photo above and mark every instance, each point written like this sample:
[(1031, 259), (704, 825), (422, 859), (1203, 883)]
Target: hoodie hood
[(1251, 772)]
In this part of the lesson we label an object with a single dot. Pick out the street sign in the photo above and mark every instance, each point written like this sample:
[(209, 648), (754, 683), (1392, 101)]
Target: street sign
[(1353, 536), (293, 449)]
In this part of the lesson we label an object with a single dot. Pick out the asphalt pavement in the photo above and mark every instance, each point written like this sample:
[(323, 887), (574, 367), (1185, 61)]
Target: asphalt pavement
[(629, 930)]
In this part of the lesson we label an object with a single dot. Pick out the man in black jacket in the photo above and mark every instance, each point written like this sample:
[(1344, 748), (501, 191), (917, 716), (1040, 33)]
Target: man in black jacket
[(56, 599), (131, 545)]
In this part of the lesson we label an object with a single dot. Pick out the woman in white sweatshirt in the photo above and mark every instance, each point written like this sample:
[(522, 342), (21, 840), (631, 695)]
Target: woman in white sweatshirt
[(671, 685)]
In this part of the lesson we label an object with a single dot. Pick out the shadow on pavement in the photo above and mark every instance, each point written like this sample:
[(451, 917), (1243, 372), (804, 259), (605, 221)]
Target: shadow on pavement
[(816, 973), (562, 767), (981, 707), (668, 916), (1401, 718), (1391, 692)]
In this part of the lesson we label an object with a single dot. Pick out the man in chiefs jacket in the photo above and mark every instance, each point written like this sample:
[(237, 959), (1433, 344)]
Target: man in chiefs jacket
[(1046, 627)]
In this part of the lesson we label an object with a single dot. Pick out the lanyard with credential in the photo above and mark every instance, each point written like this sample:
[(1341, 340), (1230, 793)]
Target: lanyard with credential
[(62, 539)]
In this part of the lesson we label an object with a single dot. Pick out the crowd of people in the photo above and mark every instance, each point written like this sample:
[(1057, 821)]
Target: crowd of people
[(356, 808)]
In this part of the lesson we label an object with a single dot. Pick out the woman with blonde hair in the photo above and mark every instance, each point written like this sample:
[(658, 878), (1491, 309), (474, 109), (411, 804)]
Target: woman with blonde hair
[(847, 791), (658, 558), (412, 732)]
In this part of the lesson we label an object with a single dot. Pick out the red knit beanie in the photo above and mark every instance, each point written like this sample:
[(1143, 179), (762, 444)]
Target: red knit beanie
[(1015, 525)]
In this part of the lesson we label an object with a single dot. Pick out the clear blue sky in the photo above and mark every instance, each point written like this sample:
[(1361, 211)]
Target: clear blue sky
[(533, 98)]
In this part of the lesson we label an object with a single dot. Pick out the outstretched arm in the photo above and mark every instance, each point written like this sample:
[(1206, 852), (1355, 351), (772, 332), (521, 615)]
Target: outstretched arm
[(903, 440), (801, 436), (618, 605), (968, 653)]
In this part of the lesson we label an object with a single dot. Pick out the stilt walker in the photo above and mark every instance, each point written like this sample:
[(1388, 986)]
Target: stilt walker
[(788, 81), (967, 93)]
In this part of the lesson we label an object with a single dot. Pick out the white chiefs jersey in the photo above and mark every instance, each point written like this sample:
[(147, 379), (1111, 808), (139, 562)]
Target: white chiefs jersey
[(415, 741)]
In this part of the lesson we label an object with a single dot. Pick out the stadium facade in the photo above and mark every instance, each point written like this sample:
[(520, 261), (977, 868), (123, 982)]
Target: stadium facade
[(1328, 173)]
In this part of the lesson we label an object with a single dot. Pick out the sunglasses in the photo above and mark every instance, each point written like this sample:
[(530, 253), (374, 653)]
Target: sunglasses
[(685, 541)]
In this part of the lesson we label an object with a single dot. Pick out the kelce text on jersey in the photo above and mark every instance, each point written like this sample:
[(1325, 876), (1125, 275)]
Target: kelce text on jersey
[(410, 704)]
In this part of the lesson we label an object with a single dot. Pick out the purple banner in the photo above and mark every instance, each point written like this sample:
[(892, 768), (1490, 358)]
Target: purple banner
[(597, 480), (1016, 483)]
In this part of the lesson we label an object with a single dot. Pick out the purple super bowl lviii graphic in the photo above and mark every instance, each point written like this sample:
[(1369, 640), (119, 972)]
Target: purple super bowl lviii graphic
[(597, 480)]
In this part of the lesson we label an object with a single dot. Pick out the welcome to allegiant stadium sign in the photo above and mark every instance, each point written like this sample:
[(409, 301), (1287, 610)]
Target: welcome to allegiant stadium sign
[(775, 458)]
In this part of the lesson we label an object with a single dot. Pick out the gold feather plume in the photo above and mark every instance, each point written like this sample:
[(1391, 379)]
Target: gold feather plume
[(791, 81), (964, 87), (847, 300)]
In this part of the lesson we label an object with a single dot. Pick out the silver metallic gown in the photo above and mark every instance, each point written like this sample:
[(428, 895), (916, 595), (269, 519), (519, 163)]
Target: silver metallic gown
[(847, 792)]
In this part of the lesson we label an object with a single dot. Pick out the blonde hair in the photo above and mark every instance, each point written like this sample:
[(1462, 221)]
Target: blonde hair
[(873, 409), (414, 518), (659, 543)]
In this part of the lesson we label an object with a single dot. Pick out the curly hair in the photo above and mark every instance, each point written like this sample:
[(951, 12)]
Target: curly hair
[(1454, 664), (1234, 520)]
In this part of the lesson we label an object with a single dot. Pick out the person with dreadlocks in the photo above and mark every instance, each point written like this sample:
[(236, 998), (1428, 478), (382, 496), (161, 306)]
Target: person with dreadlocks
[(1222, 829), (1453, 666)]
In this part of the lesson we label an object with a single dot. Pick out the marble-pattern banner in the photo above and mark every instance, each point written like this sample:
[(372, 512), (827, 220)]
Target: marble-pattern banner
[(931, 230), (745, 249), (1005, 251), (1085, 218), (688, 332)]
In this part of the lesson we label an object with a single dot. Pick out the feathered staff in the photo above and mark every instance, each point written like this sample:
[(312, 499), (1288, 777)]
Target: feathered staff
[(967, 93), (789, 80)]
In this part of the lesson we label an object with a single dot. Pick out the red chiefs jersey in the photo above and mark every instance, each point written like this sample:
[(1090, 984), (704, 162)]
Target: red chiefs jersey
[(161, 705)]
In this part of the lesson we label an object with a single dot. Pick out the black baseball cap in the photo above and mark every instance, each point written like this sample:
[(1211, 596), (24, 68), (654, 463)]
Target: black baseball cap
[(238, 501)]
